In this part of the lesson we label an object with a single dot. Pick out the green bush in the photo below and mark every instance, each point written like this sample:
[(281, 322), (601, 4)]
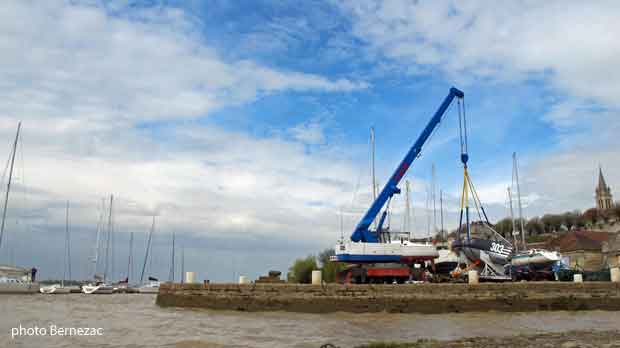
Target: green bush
[(301, 270)]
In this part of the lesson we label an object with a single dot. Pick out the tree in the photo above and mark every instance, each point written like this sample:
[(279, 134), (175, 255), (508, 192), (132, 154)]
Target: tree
[(534, 226), (590, 216), (329, 269), (504, 227), (301, 270)]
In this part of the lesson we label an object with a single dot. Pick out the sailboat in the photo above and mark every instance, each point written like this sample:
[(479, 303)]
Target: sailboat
[(60, 288), (527, 260), (100, 286), (15, 279)]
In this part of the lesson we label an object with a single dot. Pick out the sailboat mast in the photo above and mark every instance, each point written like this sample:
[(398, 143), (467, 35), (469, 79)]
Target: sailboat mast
[(171, 276), (407, 210), (99, 228), (441, 214), (516, 171), (67, 269), (148, 247), (130, 259), (8, 186), (433, 197), (512, 219), (182, 265), (107, 248)]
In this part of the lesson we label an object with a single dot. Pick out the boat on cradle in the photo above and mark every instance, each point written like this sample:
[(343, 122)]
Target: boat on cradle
[(489, 256), (400, 251), (447, 261), (99, 289), (535, 257)]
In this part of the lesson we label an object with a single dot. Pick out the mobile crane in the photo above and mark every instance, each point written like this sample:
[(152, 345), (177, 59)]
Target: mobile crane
[(371, 255)]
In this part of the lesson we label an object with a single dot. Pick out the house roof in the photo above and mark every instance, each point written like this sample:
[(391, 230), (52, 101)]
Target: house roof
[(579, 240)]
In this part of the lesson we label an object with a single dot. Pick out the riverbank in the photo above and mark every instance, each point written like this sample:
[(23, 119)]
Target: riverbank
[(411, 298), (571, 339)]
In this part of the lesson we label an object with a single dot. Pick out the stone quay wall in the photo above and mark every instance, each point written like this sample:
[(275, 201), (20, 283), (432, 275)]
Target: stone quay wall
[(410, 298)]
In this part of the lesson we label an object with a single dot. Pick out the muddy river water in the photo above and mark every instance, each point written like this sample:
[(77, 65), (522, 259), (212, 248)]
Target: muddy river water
[(132, 320)]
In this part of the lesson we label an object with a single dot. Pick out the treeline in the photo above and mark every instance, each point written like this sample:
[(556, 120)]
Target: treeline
[(301, 270), (550, 223)]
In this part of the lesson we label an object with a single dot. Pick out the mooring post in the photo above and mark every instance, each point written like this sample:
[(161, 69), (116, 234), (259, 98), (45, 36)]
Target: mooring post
[(472, 275)]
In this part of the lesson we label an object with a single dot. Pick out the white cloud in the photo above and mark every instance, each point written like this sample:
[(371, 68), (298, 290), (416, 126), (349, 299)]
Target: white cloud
[(573, 44), (77, 61), (81, 80)]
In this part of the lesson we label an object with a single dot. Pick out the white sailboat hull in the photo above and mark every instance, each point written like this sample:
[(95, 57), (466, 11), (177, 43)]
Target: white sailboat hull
[(384, 252), (97, 289), (54, 289), (535, 257)]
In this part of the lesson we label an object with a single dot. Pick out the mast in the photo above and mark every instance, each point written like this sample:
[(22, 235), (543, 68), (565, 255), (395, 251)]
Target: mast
[(441, 215), (512, 219), (130, 259), (341, 226), (148, 247), (407, 210), (516, 173), (433, 197), (95, 260), (372, 169), (8, 186), (171, 276), (67, 269), (182, 265), (107, 248)]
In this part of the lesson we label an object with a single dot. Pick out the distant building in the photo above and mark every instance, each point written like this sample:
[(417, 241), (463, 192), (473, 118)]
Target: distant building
[(611, 251), (603, 193), (582, 248)]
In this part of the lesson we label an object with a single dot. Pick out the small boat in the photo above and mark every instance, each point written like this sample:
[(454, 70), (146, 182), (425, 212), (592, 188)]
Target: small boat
[(535, 256), (99, 288), (150, 288), (55, 289)]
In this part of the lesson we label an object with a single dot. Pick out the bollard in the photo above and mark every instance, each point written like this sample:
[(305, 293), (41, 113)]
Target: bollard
[(473, 277), (578, 278), (190, 277), (615, 274), (244, 280), (316, 278)]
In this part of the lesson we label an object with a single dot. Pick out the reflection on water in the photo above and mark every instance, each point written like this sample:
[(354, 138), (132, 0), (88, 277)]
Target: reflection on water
[(134, 320)]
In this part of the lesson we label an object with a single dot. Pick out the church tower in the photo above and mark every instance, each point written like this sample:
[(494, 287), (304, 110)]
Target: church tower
[(603, 193)]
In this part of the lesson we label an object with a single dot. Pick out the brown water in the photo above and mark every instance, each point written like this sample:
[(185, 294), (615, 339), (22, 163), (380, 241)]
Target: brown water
[(134, 320)]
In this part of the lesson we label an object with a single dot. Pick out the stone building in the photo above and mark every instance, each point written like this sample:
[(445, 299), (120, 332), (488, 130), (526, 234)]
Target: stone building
[(611, 251), (603, 193), (584, 249)]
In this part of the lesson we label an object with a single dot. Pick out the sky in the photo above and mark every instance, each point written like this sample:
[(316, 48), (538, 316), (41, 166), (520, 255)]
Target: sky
[(243, 127)]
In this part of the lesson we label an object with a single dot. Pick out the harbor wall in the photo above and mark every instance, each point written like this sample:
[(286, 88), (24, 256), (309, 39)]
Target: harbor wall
[(411, 298)]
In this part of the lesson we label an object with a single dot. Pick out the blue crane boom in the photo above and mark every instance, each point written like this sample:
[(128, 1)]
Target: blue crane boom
[(362, 232)]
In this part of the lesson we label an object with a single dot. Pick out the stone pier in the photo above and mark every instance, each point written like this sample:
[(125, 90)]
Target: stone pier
[(412, 298)]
